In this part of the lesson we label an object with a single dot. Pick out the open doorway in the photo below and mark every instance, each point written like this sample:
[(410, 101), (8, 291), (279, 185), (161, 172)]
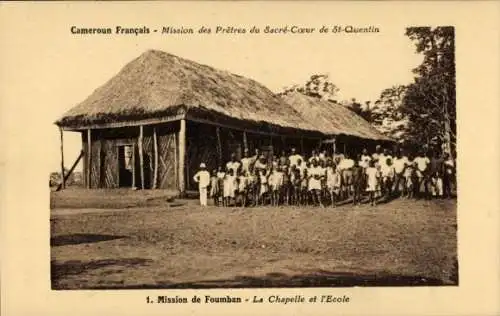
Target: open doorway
[(126, 166)]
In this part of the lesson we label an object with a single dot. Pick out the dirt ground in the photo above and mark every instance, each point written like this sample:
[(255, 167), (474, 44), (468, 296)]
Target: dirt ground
[(155, 243)]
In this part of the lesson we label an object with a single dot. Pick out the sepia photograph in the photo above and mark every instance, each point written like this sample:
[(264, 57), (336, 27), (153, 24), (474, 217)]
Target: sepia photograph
[(249, 158), (333, 167)]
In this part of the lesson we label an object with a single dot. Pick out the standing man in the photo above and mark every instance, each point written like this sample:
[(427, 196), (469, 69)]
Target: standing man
[(345, 168), (314, 156), (399, 162), (255, 157), (436, 168), (233, 164), (422, 163), (294, 157), (316, 173), (245, 162), (260, 164), (283, 159), (202, 177), (365, 159), (383, 159)]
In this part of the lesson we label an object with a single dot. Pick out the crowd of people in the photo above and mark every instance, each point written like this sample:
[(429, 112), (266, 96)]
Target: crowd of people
[(322, 179)]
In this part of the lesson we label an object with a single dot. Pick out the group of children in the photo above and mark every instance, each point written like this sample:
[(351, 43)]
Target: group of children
[(322, 179)]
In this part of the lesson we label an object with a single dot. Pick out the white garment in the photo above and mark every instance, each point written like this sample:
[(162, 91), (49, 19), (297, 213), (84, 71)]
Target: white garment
[(245, 164), (382, 159), (422, 163), (372, 181), (387, 171), (242, 183), (202, 177), (313, 172), (399, 164), (203, 196), (315, 157), (294, 159), (332, 178), (437, 186), (234, 165), (229, 186), (276, 179), (345, 164), (365, 161)]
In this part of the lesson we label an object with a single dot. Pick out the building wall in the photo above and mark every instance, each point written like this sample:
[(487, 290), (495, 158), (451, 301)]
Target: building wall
[(104, 159), (201, 143)]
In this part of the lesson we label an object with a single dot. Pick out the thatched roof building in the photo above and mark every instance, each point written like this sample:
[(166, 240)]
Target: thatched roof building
[(332, 118), (152, 124), (157, 86)]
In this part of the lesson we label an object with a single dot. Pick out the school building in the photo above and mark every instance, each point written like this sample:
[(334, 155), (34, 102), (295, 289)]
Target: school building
[(152, 124)]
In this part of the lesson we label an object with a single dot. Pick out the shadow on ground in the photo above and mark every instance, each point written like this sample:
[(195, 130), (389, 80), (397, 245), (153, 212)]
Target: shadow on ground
[(75, 239), (61, 270), (278, 280)]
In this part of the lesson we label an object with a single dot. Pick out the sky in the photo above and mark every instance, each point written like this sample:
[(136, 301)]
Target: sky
[(58, 69)]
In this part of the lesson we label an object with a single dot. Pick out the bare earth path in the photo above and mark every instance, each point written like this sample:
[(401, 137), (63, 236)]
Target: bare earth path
[(183, 246)]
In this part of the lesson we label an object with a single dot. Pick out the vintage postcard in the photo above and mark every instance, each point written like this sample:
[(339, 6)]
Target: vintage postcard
[(250, 157)]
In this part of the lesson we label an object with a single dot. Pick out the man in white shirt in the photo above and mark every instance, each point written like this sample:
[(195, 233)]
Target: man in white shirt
[(233, 164), (245, 162), (260, 164), (364, 162), (345, 169), (255, 157), (294, 157), (422, 163), (399, 162), (315, 173), (202, 177), (346, 163), (314, 156)]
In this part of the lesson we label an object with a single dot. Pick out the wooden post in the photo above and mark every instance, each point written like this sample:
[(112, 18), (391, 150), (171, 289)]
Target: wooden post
[(334, 146), (99, 166), (70, 170), (133, 166), (155, 147), (219, 145), (245, 141), (89, 156), (141, 154), (63, 181), (182, 156)]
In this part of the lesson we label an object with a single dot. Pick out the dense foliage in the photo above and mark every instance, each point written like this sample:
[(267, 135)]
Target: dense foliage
[(422, 113)]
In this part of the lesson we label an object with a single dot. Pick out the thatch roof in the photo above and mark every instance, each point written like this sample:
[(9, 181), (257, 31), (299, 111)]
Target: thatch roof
[(331, 118), (158, 84)]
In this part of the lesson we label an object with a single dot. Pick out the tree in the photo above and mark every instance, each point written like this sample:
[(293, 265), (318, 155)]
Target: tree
[(318, 86), (387, 115), (430, 102), (356, 107)]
